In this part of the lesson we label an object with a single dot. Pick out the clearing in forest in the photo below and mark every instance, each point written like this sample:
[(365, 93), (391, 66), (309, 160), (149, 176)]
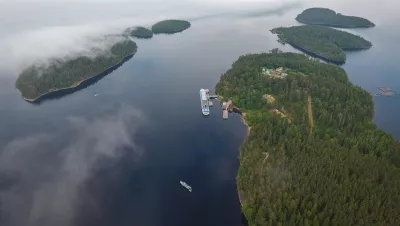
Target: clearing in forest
[(270, 99), (281, 114)]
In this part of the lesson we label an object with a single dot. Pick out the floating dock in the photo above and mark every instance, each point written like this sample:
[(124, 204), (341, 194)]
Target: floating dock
[(209, 96), (225, 114), (226, 108), (386, 91)]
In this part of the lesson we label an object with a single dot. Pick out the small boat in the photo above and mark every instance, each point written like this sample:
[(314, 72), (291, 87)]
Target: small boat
[(96, 94), (186, 186)]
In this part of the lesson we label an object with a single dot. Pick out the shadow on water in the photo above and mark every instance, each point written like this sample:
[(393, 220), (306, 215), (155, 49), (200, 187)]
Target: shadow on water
[(172, 33), (84, 84), (323, 58), (244, 220), (305, 51)]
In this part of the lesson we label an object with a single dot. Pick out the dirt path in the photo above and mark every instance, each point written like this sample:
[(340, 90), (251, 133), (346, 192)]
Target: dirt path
[(266, 156), (265, 159), (310, 116)]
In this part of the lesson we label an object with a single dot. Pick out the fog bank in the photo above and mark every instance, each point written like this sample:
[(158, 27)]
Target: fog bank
[(38, 30)]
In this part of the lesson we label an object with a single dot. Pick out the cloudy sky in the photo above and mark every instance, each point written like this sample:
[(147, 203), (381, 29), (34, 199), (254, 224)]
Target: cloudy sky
[(39, 29), (34, 30)]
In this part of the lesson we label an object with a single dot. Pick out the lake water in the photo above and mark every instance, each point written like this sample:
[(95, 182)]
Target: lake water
[(148, 113)]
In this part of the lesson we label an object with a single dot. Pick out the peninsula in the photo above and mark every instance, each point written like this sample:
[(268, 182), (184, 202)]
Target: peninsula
[(141, 32), (170, 26), (313, 156), (323, 42), (38, 81), (328, 17)]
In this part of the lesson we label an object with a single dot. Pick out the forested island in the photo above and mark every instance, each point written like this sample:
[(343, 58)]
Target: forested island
[(323, 42), (170, 26), (313, 156), (37, 81), (328, 17), (141, 32)]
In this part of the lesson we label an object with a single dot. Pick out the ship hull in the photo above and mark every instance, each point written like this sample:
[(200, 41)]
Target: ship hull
[(205, 109), (186, 186)]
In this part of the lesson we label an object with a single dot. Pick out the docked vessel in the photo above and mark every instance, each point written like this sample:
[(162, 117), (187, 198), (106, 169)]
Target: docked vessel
[(204, 102), (186, 186)]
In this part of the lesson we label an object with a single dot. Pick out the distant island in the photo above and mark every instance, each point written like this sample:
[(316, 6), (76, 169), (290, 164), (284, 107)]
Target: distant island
[(141, 32), (328, 17), (38, 81), (170, 26), (312, 156), (323, 42)]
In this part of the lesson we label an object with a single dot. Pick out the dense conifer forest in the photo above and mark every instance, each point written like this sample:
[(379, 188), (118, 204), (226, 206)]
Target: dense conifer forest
[(324, 42), (141, 32), (170, 26), (313, 156), (38, 80), (328, 17)]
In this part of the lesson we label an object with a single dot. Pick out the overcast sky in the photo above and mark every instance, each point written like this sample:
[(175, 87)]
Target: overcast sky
[(39, 29)]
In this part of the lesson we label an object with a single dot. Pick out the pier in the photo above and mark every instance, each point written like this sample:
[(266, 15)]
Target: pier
[(210, 96), (226, 106)]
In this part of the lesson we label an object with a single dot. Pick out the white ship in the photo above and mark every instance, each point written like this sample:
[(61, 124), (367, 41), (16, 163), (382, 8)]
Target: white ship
[(186, 186), (204, 102)]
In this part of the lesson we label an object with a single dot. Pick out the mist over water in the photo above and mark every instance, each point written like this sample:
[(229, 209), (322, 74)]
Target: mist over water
[(117, 159), (60, 28)]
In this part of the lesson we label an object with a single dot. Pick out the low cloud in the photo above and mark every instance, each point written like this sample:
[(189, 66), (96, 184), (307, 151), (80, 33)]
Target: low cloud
[(42, 175), (39, 30)]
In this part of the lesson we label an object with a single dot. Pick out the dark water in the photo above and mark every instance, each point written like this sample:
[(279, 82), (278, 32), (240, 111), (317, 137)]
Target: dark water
[(177, 143)]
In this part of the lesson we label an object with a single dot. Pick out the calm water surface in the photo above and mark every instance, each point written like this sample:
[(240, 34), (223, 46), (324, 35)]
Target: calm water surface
[(175, 141)]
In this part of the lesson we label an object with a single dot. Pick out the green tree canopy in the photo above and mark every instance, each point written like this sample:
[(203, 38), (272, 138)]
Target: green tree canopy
[(170, 26), (141, 32), (328, 17), (340, 171), (323, 42), (38, 80)]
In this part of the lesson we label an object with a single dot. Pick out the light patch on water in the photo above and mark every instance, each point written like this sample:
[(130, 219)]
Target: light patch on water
[(40, 181)]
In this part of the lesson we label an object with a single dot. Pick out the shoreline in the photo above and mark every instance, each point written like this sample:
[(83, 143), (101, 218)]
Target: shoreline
[(339, 63), (243, 119), (246, 124), (316, 55), (170, 33), (334, 25), (78, 84)]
